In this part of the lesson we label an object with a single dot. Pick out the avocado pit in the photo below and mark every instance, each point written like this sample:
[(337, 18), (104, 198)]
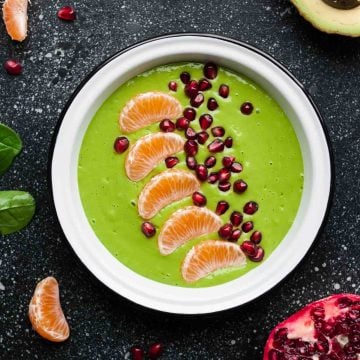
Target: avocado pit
[(343, 4)]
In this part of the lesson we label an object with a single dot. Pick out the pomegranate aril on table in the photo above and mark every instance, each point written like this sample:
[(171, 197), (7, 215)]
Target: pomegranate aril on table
[(204, 84), (247, 108), (191, 162), (189, 113), (218, 131), (155, 351), (182, 123), (216, 146), (13, 67), (167, 125), (172, 86), (222, 207), (121, 144), (225, 231), (210, 162), (191, 147), (171, 161), (197, 100), (199, 199), (210, 70), (251, 208), (190, 133), (236, 218), (205, 121), (148, 229), (185, 77), (201, 172), (247, 226), (67, 13), (202, 137), (191, 89), (240, 186), (212, 104), (224, 91)]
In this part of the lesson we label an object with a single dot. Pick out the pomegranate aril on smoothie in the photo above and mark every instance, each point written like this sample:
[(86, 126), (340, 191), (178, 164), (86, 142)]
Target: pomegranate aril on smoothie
[(251, 208), (247, 226), (199, 199), (235, 235), (182, 123), (224, 91), (190, 133), (229, 142), (249, 248), (225, 231), (148, 229), (247, 108), (191, 162), (191, 89), (167, 125), (204, 84), (202, 137), (218, 131), (224, 175), (121, 144), (210, 162), (224, 186), (212, 104), (205, 121), (227, 161), (197, 100), (240, 186), (189, 113), (171, 161), (236, 218), (216, 146), (236, 167), (222, 207), (191, 147), (213, 177), (210, 70), (256, 237), (185, 77), (172, 86), (259, 255), (201, 172)]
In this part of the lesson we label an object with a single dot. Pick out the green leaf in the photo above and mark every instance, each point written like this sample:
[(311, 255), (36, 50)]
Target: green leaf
[(10, 146), (16, 210)]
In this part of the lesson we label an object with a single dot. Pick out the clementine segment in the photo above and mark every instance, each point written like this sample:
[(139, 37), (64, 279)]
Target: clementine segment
[(148, 151), (186, 224), (15, 18), (165, 188), (209, 256), (147, 108), (45, 313)]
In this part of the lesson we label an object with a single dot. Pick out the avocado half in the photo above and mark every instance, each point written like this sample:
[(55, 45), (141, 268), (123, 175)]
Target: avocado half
[(329, 18)]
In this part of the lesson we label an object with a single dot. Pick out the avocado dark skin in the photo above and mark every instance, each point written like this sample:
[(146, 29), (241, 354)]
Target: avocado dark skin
[(343, 4)]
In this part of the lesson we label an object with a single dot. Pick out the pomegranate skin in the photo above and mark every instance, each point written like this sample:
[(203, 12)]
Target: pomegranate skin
[(333, 312)]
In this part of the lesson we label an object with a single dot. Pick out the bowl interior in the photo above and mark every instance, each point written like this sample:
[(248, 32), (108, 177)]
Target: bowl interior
[(241, 59)]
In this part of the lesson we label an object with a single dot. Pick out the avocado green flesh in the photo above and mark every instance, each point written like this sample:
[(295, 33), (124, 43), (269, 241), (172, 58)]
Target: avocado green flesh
[(264, 142)]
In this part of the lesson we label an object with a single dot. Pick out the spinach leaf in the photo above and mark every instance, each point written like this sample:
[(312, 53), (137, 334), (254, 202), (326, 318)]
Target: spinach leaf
[(10, 146), (16, 210)]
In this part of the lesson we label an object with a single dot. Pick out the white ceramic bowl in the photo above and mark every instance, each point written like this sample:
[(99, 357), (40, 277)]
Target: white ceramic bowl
[(244, 60)]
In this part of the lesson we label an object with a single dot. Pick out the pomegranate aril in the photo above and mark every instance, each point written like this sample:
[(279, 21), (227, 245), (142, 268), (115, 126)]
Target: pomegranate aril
[(204, 84), (67, 13), (171, 161), (247, 108), (191, 162), (197, 100), (275, 355), (229, 142), (155, 350), (224, 175), (247, 226), (216, 146), (222, 207), (167, 125), (13, 67), (191, 147), (190, 133), (205, 121), (218, 131), (344, 302), (236, 218), (260, 253), (235, 236), (213, 178), (121, 144), (251, 208), (227, 161), (210, 162), (201, 172), (189, 113), (225, 231), (202, 137), (224, 186), (172, 85), (137, 353), (148, 229), (182, 123), (224, 91), (198, 199), (212, 104), (256, 237), (210, 70), (185, 77), (239, 186), (236, 167), (191, 88), (249, 248)]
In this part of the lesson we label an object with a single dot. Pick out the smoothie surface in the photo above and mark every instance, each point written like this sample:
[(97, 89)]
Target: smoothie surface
[(263, 142)]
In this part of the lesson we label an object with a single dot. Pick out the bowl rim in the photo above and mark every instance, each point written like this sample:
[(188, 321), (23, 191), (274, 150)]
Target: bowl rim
[(247, 46)]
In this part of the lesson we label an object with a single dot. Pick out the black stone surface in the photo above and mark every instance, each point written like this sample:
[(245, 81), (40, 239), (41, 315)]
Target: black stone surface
[(56, 57)]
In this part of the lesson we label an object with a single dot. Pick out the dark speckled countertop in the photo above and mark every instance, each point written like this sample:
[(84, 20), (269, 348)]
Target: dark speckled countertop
[(56, 58)]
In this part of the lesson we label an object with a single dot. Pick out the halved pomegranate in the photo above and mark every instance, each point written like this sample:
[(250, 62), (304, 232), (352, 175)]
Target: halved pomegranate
[(327, 329)]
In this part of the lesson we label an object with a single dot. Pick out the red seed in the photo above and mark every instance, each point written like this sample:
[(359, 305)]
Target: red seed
[(210, 161), (224, 175), (13, 67), (191, 88), (249, 248), (190, 133), (247, 226), (167, 125), (236, 218), (191, 162), (224, 186), (191, 147), (225, 231), (229, 142), (201, 172), (137, 353), (204, 84), (185, 77), (121, 144), (210, 70), (218, 131), (205, 121), (197, 100), (212, 104), (189, 113), (67, 13), (199, 199), (227, 161), (224, 91), (260, 253), (256, 237), (216, 146), (202, 137), (239, 186), (155, 351), (182, 123), (247, 108), (235, 236), (222, 207), (148, 229), (172, 85), (236, 167), (213, 178), (251, 207), (171, 161)]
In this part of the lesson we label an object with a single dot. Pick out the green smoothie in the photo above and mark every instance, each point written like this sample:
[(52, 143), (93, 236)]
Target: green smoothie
[(263, 142)]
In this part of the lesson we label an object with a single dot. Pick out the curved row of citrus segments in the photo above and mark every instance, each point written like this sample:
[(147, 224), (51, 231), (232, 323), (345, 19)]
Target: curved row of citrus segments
[(170, 186)]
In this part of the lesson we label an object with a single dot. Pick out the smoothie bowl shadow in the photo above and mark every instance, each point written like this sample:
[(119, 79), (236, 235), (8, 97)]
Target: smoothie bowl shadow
[(89, 105)]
